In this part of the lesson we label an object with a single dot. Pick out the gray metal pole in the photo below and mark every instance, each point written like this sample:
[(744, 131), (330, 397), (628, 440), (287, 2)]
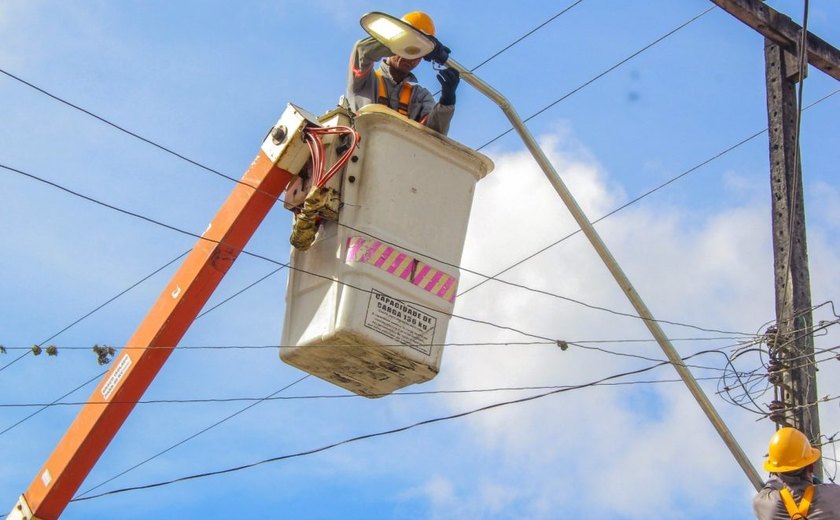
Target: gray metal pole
[(601, 248)]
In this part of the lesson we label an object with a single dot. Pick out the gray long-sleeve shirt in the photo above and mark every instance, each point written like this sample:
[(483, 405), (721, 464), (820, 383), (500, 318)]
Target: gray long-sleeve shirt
[(768, 505), (362, 87)]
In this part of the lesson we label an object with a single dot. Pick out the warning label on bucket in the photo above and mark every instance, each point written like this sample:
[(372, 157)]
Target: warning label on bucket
[(400, 321)]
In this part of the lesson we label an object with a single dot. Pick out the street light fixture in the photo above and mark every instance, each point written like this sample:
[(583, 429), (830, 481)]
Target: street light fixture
[(405, 40), (399, 36)]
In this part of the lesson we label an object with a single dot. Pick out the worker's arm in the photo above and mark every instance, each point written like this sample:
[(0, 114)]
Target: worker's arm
[(767, 501), (438, 116), (433, 114), (365, 54)]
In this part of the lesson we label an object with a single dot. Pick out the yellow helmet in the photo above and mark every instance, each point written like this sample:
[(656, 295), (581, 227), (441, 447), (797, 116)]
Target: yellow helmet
[(789, 451), (420, 20)]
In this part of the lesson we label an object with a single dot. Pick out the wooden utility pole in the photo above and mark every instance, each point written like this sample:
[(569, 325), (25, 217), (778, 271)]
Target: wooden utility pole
[(792, 343), (793, 370)]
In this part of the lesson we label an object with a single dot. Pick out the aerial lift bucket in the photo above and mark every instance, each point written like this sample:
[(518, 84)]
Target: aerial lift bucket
[(368, 304)]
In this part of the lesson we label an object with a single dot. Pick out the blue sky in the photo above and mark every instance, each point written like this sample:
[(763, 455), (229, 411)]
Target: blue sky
[(207, 79)]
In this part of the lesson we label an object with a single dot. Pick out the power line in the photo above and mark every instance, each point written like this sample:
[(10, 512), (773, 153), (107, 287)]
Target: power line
[(324, 345), (118, 127), (124, 291), (176, 154), (238, 181), (281, 267), (623, 206), (538, 291), (237, 293), (638, 198), (380, 433), (529, 33), (824, 399), (121, 128), (262, 257), (193, 436), (400, 345), (36, 412), (193, 161), (408, 393), (99, 376), (465, 269), (283, 264), (599, 76)]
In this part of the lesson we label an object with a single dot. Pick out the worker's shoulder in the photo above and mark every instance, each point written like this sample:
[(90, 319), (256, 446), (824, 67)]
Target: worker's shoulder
[(765, 503), (830, 489)]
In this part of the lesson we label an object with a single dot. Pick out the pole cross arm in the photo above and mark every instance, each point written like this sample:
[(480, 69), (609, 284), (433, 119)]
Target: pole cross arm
[(784, 31)]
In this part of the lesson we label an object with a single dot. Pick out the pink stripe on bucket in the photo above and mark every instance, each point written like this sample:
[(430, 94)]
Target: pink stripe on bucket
[(353, 245), (408, 270), (418, 277), (446, 286), (371, 250), (392, 260), (435, 279), (385, 255), (396, 263)]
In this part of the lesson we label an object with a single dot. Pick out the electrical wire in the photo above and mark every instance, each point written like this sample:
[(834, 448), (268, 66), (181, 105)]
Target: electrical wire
[(100, 375), (521, 38), (172, 227), (637, 199), (397, 345), (602, 74), (314, 139), (190, 160), (313, 397), (262, 257), (118, 127), (46, 406), (501, 272), (535, 290), (623, 206), (122, 129), (529, 33), (74, 323), (380, 433), (282, 264), (324, 345), (193, 436), (113, 298)]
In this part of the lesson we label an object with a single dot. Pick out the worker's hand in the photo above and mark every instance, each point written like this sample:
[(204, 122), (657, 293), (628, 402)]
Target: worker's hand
[(449, 79), (439, 54)]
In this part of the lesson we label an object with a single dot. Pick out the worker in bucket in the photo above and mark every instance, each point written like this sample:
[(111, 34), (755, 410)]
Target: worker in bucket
[(392, 84), (792, 493)]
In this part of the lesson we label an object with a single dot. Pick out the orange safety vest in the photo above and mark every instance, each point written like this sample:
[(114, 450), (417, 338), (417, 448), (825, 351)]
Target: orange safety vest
[(797, 511), (405, 94)]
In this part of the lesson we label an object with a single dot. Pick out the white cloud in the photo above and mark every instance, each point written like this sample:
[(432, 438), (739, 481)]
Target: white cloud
[(620, 452)]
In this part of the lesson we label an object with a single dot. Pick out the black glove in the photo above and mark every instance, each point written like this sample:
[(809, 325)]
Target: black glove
[(439, 54), (449, 79)]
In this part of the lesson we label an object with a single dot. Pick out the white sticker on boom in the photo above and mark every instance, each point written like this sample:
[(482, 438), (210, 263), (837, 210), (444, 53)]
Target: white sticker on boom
[(46, 478), (114, 380), (176, 292)]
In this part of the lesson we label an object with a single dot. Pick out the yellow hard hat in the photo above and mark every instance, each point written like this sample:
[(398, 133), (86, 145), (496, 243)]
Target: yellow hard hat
[(420, 20), (789, 451)]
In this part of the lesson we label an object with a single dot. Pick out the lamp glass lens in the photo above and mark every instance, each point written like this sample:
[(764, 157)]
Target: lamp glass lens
[(385, 28)]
